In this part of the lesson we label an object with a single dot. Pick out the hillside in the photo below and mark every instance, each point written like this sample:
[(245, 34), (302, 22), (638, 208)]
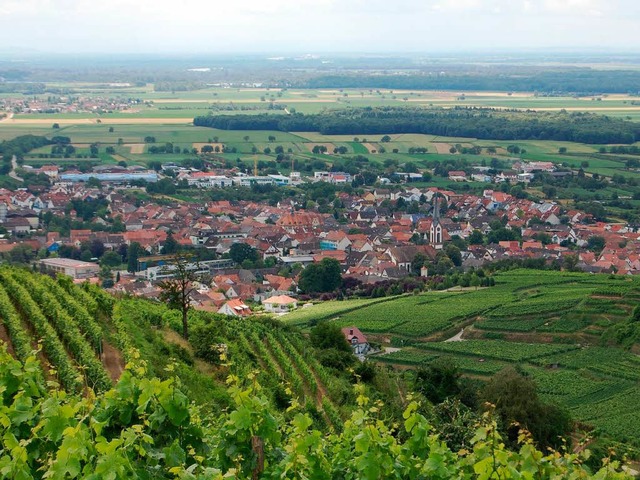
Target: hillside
[(555, 325), (242, 398), (86, 337)]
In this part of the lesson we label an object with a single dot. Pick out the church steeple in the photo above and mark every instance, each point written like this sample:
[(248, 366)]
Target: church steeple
[(435, 233), (436, 210)]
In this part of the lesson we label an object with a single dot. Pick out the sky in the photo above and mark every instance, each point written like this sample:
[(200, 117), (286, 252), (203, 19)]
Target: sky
[(233, 26)]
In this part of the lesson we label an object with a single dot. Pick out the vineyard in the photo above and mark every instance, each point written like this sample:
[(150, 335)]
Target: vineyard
[(548, 322), (424, 314), (521, 301), (496, 349), (60, 316), (598, 385), (71, 326), (75, 327), (327, 310), (146, 427), (280, 355)]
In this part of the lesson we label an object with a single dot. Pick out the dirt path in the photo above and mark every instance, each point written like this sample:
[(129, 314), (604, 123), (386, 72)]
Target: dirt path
[(321, 391), (388, 350), (457, 337), (4, 337), (14, 166), (112, 360), (36, 347), (7, 118), (203, 367), (274, 360)]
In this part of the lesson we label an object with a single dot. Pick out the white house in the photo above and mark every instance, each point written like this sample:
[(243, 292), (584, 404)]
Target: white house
[(457, 176), (357, 340), (235, 308), (280, 304)]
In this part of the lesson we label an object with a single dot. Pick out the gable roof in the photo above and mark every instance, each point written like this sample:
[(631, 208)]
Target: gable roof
[(351, 333)]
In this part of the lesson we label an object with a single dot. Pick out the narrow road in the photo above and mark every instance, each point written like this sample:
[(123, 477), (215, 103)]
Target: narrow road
[(14, 166), (7, 118), (456, 338)]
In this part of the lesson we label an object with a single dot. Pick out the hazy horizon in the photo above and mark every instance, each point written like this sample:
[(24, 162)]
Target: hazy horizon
[(329, 26)]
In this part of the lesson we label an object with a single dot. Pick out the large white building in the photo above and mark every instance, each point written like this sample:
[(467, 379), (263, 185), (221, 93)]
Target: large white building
[(208, 180), (74, 268)]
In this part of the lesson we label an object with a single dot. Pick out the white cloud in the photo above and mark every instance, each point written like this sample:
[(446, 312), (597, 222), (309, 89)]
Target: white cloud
[(321, 25), (457, 5), (573, 6)]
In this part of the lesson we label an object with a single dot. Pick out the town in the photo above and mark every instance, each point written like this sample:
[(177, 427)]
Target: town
[(376, 235)]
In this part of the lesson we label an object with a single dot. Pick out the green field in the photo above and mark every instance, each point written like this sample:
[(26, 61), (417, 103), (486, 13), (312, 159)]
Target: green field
[(300, 145), (178, 108), (254, 100), (167, 116)]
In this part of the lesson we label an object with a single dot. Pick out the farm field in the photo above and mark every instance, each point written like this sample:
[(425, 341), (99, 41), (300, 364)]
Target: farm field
[(550, 323), (158, 104), (518, 302), (300, 144), (167, 116)]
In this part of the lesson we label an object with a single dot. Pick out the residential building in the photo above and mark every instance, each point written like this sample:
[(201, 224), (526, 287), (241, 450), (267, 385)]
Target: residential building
[(357, 340), (280, 304), (235, 308)]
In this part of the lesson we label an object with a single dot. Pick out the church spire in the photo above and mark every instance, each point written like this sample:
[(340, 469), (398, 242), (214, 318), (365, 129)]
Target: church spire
[(436, 210), (436, 233)]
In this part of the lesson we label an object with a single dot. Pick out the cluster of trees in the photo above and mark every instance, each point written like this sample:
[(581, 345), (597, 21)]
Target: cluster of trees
[(353, 287), (87, 251), (320, 277), (168, 148), (512, 393), (622, 150), (551, 184), (319, 149), (483, 123), (626, 333), (414, 150), (217, 149), (332, 348), (178, 86), (27, 88), (164, 186), (21, 145), (248, 257), (63, 150), (63, 224)]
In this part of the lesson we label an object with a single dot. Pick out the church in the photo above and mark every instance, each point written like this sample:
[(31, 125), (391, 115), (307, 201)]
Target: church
[(436, 232)]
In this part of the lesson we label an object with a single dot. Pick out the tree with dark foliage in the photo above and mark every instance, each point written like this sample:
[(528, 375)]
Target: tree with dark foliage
[(178, 290)]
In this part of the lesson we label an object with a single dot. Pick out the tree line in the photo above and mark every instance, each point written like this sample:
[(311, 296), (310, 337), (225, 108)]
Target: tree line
[(482, 123), (577, 81)]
